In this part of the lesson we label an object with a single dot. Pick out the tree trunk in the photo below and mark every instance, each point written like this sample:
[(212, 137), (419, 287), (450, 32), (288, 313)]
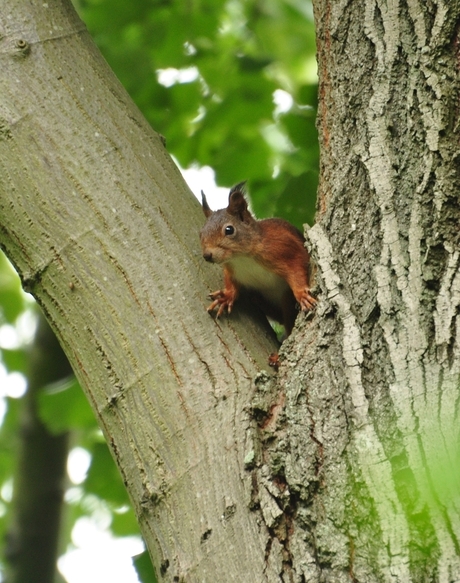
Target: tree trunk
[(366, 453)]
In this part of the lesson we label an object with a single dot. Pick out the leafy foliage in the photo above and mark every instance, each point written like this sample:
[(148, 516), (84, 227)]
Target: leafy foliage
[(206, 74)]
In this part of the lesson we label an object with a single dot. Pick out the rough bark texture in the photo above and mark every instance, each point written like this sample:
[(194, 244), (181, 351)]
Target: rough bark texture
[(33, 537), (361, 448), (104, 232)]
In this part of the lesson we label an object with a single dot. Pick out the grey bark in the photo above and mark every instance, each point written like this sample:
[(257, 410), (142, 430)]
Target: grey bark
[(365, 450)]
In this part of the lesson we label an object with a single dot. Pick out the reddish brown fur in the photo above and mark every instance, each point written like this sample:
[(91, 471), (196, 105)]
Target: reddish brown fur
[(273, 244)]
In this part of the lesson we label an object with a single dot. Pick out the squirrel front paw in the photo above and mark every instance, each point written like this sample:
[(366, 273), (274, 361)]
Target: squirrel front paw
[(223, 298), (305, 299)]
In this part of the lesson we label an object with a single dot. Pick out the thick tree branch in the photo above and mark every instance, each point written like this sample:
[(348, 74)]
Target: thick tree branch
[(104, 233)]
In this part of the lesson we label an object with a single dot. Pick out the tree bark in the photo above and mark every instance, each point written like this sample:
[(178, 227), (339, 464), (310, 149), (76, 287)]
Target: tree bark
[(104, 232), (364, 457)]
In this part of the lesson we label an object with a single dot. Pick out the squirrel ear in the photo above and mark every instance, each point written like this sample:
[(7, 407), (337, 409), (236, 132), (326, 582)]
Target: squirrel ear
[(237, 205), (207, 211)]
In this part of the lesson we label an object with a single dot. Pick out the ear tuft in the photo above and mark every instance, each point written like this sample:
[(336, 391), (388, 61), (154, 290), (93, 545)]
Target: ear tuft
[(237, 205), (207, 211), (240, 187)]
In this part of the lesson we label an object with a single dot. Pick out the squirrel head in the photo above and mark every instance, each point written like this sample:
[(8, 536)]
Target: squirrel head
[(228, 232)]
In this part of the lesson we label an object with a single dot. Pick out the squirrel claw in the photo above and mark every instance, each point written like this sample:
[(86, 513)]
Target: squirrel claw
[(306, 300), (222, 299)]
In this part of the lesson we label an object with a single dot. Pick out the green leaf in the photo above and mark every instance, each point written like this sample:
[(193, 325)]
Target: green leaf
[(15, 360), (290, 197), (144, 568), (124, 522), (103, 478), (9, 438), (301, 128), (297, 201), (12, 301), (63, 406)]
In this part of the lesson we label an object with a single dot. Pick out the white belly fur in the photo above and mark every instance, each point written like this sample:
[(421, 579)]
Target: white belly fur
[(252, 275)]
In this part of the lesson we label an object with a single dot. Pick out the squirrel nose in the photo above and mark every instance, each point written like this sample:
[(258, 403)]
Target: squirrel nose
[(208, 256)]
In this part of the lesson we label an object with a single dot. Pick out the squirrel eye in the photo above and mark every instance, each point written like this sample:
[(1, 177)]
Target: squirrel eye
[(229, 230)]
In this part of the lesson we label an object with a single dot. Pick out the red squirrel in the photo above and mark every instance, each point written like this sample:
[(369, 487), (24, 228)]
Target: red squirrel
[(267, 257)]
